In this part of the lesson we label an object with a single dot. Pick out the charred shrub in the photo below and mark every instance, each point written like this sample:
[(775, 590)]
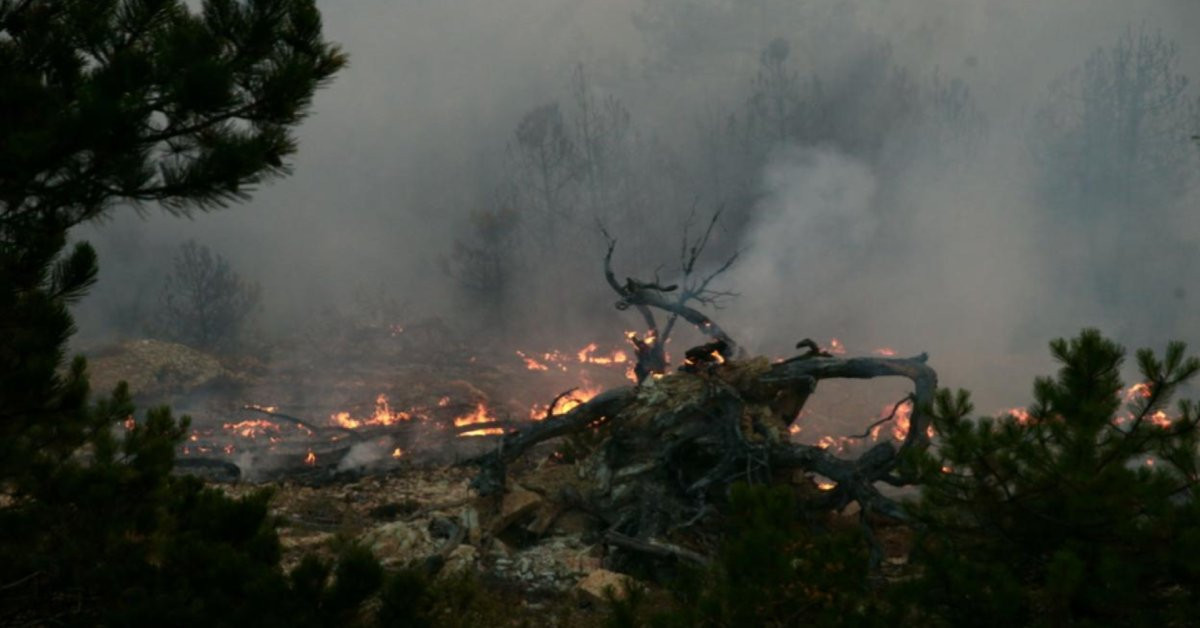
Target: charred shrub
[(205, 303)]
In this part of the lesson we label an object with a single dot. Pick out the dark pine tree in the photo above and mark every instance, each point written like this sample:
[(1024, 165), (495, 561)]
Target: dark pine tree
[(1082, 511), (142, 102)]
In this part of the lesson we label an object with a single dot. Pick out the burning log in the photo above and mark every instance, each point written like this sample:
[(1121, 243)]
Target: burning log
[(312, 427), (673, 446)]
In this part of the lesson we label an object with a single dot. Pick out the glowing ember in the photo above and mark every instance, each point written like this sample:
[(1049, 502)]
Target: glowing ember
[(480, 415), (885, 352), (828, 442), (826, 485), (310, 459), (835, 347), (397, 453)]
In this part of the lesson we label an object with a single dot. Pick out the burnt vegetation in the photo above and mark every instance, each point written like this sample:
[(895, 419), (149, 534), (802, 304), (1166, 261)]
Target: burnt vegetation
[(685, 488)]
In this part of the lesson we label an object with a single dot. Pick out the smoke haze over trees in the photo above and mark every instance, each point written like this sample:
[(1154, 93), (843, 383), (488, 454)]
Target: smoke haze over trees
[(910, 172)]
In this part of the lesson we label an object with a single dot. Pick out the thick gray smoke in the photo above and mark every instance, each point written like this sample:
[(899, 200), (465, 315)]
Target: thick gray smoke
[(897, 174)]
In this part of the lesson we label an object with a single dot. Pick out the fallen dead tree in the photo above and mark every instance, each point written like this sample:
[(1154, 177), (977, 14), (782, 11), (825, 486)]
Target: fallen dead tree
[(670, 447), (674, 445)]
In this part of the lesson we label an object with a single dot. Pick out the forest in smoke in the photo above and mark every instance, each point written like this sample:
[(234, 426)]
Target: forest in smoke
[(465, 312), (966, 178)]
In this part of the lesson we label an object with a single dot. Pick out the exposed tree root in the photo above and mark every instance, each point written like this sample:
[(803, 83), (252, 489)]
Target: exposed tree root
[(674, 445)]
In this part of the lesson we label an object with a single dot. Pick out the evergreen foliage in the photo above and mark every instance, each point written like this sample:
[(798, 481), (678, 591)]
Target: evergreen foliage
[(1075, 514), (104, 102)]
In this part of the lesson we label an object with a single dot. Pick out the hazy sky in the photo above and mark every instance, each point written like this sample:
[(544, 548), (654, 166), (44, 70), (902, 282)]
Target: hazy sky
[(411, 136)]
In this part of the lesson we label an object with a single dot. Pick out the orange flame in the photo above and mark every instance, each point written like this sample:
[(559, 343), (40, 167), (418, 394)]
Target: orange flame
[(310, 459), (532, 364), (564, 405), (903, 417), (1141, 389), (1161, 419), (252, 428), (587, 356), (397, 453), (480, 415), (1021, 415), (383, 415)]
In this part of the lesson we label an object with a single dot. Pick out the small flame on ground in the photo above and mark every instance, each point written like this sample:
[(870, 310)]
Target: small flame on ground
[(587, 356), (397, 453), (480, 415), (836, 347), (384, 415), (531, 363), (310, 459), (886, 352), (251, 428)]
